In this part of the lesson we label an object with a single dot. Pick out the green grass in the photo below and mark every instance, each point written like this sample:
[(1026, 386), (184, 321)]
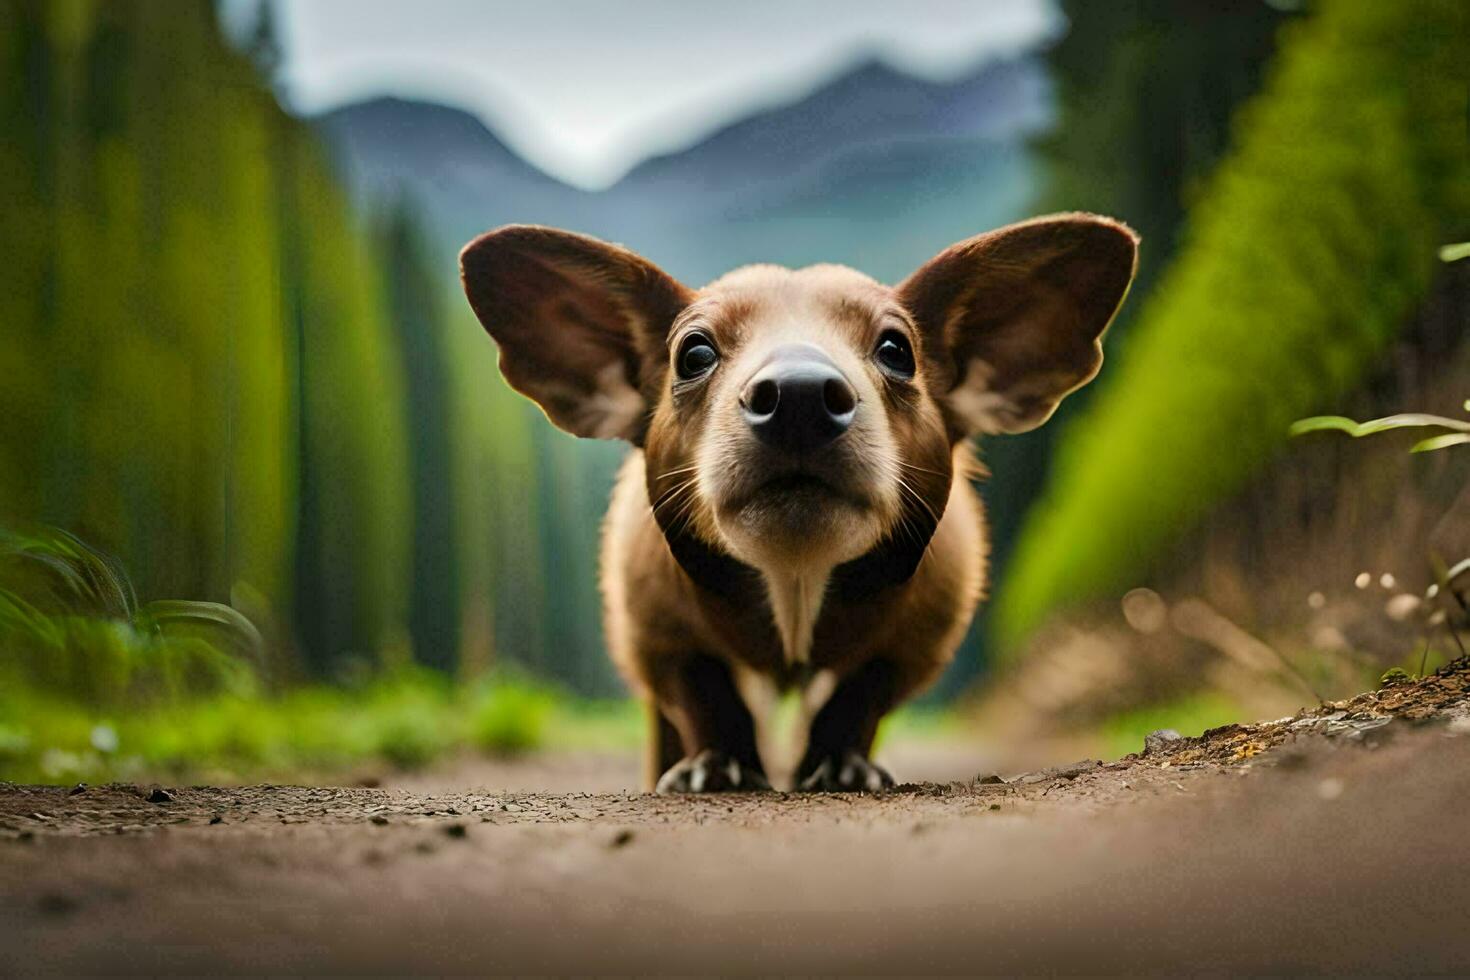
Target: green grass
[(95, 685), (918, 723), (405, 720), (71, 625)]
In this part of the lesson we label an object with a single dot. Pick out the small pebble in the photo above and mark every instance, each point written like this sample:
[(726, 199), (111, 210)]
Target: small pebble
[(1075, 769), (1159, 740), (456, 831), (622, 838), (380, 820), (77, 790), (160, 795)]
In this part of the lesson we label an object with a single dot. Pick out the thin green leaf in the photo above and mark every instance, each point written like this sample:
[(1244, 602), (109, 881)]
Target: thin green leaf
[(1460, 567), (1359, 429), (1411, 421), (1322, 423), (1455, 252), (1441, 442), (224, 622)]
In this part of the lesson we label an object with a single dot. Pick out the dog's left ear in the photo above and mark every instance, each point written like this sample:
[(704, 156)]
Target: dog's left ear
[(1012, 319)]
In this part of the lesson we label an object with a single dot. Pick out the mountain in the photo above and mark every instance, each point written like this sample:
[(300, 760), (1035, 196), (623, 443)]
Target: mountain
[(443, 158), (876, 168), (872, 105)]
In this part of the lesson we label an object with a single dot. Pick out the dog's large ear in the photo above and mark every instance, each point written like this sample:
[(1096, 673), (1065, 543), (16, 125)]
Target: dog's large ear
[(1013, 318), (581, 324)]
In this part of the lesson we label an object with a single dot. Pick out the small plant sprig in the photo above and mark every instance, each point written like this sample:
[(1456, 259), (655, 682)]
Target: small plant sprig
[(1458, 429), (1451, 590), (1452, 584), (71, 623)]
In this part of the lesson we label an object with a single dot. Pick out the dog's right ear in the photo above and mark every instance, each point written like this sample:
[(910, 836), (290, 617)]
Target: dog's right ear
[(581, 324)]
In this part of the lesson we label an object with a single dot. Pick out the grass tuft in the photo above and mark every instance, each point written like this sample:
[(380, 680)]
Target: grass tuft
[(95, 685)]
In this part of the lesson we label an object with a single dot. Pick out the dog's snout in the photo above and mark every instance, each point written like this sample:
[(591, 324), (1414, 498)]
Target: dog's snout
[(799, 401)]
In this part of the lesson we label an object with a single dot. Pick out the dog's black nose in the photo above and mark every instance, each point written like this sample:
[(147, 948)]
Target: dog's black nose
[(799, 401)]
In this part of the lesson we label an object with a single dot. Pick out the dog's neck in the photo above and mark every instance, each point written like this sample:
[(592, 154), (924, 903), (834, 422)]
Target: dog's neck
[(796, 596), (796, 602)]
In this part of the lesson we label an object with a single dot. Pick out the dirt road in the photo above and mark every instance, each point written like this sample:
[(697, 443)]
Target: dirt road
[(1336, 842)]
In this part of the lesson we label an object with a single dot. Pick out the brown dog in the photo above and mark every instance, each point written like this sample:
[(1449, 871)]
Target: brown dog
[(798, 503)]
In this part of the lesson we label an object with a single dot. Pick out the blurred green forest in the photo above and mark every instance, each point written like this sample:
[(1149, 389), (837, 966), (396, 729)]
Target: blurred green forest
[(217, 372), (1305, 253), (271, 402), (1145, 93)]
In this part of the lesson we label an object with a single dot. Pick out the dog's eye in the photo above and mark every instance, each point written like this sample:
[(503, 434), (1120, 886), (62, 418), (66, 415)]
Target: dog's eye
[(697, 356), (894, 354)]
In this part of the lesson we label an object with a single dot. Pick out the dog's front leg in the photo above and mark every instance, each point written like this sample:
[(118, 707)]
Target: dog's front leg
[(841, 737), (698, 697)]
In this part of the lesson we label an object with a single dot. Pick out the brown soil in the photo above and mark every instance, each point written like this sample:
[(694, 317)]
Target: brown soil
[(1333, 841)]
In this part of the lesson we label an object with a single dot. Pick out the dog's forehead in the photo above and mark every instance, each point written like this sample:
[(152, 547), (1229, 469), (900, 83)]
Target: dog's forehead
[(834, 293)]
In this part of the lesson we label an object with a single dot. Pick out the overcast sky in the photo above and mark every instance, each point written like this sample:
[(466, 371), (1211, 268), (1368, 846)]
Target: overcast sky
[(587, 88)]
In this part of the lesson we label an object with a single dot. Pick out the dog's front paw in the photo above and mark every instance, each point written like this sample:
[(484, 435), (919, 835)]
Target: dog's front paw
[(711, 771), (844, 772)]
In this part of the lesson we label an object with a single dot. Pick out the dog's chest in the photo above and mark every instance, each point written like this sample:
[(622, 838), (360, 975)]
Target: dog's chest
[(796, 603), (795, 628)]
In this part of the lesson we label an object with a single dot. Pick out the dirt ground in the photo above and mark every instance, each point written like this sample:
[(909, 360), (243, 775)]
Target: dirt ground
[(1337, 841)]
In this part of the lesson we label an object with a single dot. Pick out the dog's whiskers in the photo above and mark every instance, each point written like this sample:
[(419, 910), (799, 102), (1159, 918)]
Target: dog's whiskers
[(669, 496), (918, 499), (686, 510), (919, 469), (678, 470)]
